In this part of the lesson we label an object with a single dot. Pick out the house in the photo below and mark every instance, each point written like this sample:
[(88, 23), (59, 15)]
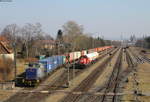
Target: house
[(5, 51), (48, 44), (45, 44)]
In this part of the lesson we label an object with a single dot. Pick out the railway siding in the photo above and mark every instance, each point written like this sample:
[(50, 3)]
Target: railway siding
[(138, 82), (122, 73), (105, 75), (76, 81), (124, 61), (113, 82), (101, 81)]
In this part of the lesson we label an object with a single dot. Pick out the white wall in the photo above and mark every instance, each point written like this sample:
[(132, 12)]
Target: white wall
[(7, 56)]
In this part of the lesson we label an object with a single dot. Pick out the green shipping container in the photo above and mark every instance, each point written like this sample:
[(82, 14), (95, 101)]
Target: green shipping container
[(64, 59), (41, 57)]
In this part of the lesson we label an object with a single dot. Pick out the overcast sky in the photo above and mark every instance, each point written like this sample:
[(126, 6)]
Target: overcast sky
[(108, 18)]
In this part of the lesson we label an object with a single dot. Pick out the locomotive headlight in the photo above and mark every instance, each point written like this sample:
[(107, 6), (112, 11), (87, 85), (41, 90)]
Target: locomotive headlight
[(23, 80), (38, 81)]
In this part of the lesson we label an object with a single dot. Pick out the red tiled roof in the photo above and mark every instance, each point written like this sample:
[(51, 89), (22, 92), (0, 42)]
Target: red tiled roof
[(2, 38), (4, 49), (43, 42), (47, 41)]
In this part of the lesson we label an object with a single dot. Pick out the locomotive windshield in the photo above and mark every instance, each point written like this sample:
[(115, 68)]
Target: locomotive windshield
[(34, 65), (83, 56)]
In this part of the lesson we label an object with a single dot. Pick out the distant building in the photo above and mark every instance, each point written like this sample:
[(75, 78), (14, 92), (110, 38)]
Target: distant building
[(45, 44), (48, 44), (5, 51)]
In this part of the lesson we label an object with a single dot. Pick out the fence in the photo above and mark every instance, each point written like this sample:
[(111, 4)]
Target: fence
[(7, 85)]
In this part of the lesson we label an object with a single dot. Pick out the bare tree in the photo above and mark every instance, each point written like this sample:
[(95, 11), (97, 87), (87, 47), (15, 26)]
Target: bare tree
[(72, 30), (10, 32), (78, 39), (30, 33)]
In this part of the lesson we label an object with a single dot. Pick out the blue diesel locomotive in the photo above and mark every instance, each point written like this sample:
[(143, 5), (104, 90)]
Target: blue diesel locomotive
[(37, 71)]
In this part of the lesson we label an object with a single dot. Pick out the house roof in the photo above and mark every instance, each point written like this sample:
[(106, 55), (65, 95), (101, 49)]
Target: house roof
[(3, 39), (43, 42), (4, 49), (47, 41), (3, 46)]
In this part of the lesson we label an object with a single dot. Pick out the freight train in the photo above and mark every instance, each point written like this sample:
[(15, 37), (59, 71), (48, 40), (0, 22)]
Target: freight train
[(37, 71)]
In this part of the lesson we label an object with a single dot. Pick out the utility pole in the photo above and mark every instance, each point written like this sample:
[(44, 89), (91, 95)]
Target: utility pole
[(93, 43), (15, 62), (68, 65), (121, 40), (15, 56), (68, 72), (74, 62)]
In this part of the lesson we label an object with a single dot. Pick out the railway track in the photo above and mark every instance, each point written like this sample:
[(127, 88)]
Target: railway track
[(56, 85), (116, 79), (146, 59), (140, 57), (86, 84), (130, 61), (114, 83)]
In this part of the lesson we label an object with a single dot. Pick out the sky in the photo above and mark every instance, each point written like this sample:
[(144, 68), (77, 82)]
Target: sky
[(110, 19)]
